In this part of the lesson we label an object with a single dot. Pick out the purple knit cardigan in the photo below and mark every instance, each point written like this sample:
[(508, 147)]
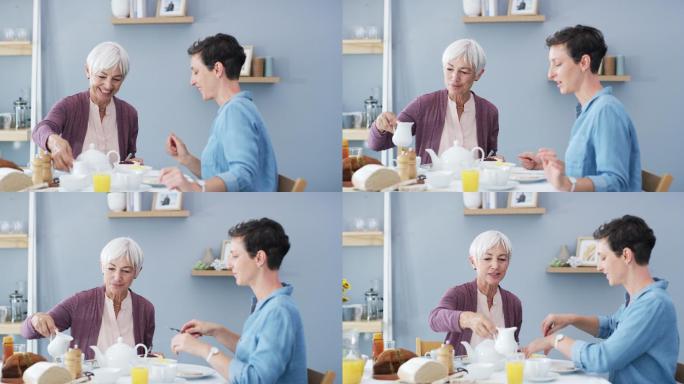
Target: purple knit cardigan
[(69, 119), (82, 313), (444, 318), (427, 112)]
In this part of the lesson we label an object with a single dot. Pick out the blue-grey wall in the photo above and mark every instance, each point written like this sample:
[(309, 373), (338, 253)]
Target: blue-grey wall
[(73, 228), (16, 72), (532, 113), (302, 36), (431, 237)]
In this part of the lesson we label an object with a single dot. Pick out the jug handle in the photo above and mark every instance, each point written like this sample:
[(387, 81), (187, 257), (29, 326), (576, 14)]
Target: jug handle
[(118, 158), (141, 345), (481, 152)]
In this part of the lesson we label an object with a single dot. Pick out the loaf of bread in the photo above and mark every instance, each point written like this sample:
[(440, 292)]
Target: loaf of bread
[(352, 164), (46, 373), (8, 164), (389, 361), (12, 180), (373, 178), (15, 365)]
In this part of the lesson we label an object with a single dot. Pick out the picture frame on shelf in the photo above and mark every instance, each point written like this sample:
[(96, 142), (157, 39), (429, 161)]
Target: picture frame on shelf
[(167, 201), (171, 8), (586, 250), (247, 66), (225, 252), (523, 199), (523, 7)]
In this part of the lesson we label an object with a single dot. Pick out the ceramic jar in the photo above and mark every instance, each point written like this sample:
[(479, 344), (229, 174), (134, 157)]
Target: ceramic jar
[(471, 7), (120, 8)]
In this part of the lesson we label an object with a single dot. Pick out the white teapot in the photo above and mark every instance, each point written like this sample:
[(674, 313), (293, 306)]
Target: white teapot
[(96, 161), (120, 355), (493, 351), (455, 159)]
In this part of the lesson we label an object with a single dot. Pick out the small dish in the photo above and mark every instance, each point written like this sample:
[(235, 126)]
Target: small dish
[(551, 376), (510, 185), (563, 366), (193, 371)]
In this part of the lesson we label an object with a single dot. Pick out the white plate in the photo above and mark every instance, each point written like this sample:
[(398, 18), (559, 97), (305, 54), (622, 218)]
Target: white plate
[(193, 371), (127, 380), (550, 377), (527, 177), (510, 185), (563, 366)]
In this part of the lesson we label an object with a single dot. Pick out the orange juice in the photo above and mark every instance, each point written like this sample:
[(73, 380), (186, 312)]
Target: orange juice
[(470, 179), (101, 182), (514, 372), (139, 375), (352, 371)]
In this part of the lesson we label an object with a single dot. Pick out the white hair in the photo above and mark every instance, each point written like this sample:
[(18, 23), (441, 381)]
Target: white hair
[(469, 50), (123, 247), (488, 240), (107, 55)]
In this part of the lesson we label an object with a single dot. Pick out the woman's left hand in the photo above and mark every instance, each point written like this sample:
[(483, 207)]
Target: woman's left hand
[(541, 344), (174, 179), (186, 342), (554, 170)]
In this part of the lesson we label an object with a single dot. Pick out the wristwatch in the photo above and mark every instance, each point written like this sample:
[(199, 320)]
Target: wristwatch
[(573, 183), (212, 352), (557, 340)]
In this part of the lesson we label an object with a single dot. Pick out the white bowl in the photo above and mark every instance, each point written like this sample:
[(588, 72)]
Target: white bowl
[(439, 179), (132, 168), (73, 182), (480, 371), (106, 375)]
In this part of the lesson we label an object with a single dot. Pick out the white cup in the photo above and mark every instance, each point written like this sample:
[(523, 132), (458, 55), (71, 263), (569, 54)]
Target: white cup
[(357, 119), (538, 367), (4, 310), (472, 200), (116, 201), (133, 181), (5, 120), (163, 370)]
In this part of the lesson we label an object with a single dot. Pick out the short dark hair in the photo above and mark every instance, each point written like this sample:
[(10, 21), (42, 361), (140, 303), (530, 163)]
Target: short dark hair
[(220, 48), (263, 235), (628, 232), (581, 40)]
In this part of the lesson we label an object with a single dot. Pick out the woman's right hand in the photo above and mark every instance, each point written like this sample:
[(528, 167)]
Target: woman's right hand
[(199, 328), (43, 324), (176, 148), (386, 122), (479, 324), (530, 160), (62, 157), (555, 322)]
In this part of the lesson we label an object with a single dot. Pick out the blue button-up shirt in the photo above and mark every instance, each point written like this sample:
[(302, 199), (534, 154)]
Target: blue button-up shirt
[(271, 348), (641, 340), (603, 145), (239, 149)]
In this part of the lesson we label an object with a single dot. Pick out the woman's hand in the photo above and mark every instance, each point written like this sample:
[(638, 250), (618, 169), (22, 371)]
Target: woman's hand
[(185, 342), (174, 179), (530, 160), (200, 328), (43, 324), (554, 323), (386, 122), (480, 325), (177, 149), (554, 170), (62, 157), (541, 344)]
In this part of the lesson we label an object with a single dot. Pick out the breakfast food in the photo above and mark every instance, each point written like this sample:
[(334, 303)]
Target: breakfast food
[(15, 365), (352, 164), (389, 361), (8, 164), (46, 373), (374, 178)]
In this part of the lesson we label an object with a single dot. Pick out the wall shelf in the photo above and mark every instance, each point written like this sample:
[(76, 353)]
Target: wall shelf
[(504, 211), (15, 48), (362, 47), (504, 19), (14, 134), (623, 78), (10, 328), (355, 134), (363, 326), (363, 239), (154, 20), (18, 240), (147, 214), (572, 270), (211, 272), (260, 80)]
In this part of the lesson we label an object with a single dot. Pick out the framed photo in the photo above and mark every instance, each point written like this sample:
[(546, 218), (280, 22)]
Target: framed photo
[(225, 252), (247, 66), (586, 250), (167, 201), (523, 7), (523, 199), (171, 8)]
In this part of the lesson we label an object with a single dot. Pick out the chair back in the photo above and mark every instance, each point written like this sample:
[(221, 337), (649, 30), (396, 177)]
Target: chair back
[(285, 184), (424, 346), (679, 374), (315, 377), (650, 182)]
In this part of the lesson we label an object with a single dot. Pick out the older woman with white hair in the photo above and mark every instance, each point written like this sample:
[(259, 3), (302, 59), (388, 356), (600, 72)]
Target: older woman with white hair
[(472, 311), (452, 114), (99, 316), (93, 117)]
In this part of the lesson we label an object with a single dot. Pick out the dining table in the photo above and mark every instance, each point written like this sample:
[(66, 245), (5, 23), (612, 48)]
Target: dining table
[(577, 377)]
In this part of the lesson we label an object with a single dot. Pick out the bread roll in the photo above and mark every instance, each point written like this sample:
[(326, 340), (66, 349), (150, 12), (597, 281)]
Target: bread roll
[(389, 361), (15, 365)]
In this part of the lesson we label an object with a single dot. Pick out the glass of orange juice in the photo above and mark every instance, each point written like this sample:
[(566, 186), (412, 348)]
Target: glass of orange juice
[(515, 364), (139, 375), (102, 182), (352, 370), (470, 179)]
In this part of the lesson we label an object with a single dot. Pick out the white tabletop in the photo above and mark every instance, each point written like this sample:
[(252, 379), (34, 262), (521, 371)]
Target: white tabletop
[(541, 186)]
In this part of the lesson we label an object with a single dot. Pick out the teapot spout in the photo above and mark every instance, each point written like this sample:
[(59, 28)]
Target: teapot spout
[(99, 356), (436, 161), (469, 350)]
